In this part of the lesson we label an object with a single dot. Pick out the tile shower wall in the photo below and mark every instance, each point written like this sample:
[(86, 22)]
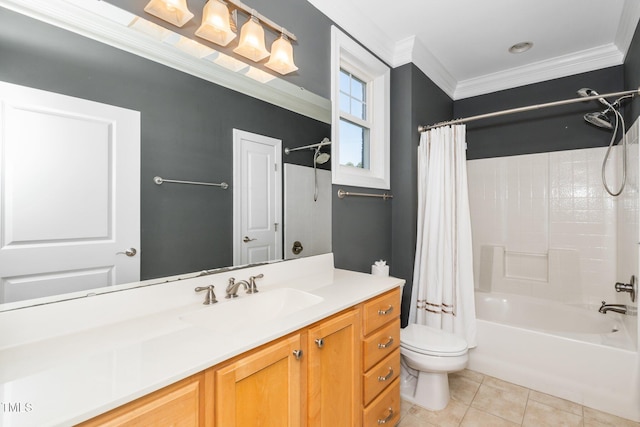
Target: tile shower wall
[(530, 204)]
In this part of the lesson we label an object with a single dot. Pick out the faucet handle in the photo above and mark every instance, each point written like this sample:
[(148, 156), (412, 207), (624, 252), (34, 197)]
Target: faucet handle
[(252, 283), (211, 296)]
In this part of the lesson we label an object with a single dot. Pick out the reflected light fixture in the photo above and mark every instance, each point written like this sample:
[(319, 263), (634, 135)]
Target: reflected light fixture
[(172, 11), (216, 25), (219, 26), (281, 59), (251, 43)]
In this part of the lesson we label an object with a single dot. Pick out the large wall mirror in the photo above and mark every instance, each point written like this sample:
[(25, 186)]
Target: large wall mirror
[(186, 133)]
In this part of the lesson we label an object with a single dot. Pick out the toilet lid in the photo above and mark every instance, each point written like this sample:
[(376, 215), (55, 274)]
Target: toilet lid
[(431, 341)]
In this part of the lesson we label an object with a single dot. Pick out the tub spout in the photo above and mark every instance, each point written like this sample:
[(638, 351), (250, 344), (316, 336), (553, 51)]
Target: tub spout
[(618, 308)]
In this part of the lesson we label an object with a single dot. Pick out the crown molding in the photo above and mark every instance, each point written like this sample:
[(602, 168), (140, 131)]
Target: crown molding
[(433, 68), (108, 24), (628, 23), (403, 52), (580, 62), (365, 32)]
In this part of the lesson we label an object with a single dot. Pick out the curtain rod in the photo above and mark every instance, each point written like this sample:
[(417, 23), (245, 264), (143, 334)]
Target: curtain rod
[(527, 108), (325, 141)]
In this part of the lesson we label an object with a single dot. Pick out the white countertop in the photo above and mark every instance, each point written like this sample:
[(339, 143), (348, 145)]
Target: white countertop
[(67, 362)]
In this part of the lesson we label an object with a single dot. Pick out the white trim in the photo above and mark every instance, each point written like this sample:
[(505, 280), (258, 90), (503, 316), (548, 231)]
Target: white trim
[(107, 24), (378, 78), (628, 23), (580, 62)]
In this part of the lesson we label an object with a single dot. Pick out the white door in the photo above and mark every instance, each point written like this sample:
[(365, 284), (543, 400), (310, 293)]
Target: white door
[(257, 198), (69, 194)]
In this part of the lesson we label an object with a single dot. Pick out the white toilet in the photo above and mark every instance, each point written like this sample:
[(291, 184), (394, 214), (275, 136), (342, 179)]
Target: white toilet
[(431, 354)]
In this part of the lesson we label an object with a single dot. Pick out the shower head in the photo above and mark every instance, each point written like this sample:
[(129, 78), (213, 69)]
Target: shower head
[(320, 158), (600, 120)]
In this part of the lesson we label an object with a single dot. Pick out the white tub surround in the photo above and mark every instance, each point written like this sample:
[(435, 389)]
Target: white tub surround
[(64, 363), (563, 350)]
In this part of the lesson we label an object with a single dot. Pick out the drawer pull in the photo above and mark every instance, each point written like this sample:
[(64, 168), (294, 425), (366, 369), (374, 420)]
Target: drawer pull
[(320, 342), (385, 312), (387, 344), (386, 378), (297, 354), (389, 417)]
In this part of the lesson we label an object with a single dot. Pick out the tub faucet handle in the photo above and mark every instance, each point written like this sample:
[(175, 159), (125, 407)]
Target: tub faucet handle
[(628, 287)]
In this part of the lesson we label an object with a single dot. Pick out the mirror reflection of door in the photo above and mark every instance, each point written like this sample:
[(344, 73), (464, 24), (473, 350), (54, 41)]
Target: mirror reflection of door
[(70, 194), (257, 198)]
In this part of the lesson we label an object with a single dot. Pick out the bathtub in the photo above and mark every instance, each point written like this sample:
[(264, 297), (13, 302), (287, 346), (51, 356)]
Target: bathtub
[(563, 350)]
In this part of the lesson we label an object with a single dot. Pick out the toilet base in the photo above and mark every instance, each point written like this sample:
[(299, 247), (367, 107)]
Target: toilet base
[(432, 390)]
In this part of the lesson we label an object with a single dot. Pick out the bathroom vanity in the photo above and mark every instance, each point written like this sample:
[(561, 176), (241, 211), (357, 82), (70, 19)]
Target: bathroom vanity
[(315, 346)]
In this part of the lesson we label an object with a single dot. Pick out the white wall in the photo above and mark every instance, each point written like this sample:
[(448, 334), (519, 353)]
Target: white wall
[(306, 220), (530, 204)]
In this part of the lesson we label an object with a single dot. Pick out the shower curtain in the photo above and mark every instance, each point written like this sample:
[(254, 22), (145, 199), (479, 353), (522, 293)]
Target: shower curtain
[(443, 291)]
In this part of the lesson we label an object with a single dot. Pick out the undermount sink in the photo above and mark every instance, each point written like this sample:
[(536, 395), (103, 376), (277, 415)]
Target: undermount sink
[(230, 315)]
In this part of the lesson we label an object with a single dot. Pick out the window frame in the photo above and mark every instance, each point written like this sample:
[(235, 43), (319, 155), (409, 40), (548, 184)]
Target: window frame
[(348, 55)]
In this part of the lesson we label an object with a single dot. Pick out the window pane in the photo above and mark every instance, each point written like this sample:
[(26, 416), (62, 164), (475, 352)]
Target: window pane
[(345, 103), (357, 88), (345, 82), (354, 145), (353, 95), (357, 109)]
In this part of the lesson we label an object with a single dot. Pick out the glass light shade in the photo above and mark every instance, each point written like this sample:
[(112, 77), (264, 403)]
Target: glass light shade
[(172, 11), (215, 24), (281, 59), (252, 41)]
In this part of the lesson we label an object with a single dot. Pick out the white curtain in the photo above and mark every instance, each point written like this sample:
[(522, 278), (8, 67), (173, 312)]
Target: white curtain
[(443, 290)]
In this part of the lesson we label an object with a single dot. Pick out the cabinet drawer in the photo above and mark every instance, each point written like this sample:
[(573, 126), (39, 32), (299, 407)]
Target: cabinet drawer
[(385, 409), (380, 310), (381, 344), (381, 375)]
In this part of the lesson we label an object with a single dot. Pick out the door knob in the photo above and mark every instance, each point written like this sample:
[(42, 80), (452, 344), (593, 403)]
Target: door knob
[(131, 252), (247, 239)]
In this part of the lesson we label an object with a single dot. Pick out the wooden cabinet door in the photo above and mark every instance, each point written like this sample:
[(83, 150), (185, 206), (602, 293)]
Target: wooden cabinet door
[(334, 372), (178, 405), (262, 389)]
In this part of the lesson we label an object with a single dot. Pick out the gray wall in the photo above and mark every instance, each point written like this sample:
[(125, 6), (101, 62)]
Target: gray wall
[(632, 75), (551, 129), (415, 100), (186, 134)]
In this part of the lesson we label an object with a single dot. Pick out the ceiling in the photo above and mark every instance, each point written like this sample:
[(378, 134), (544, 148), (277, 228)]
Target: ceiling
[(463, 45)]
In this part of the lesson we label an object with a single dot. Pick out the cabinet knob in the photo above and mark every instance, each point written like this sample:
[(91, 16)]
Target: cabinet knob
[(297, 354), (320, 342), (389, 417)]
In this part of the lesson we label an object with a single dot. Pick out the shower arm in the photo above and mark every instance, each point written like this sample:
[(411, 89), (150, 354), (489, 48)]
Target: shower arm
[(528, 108), (322, 143)]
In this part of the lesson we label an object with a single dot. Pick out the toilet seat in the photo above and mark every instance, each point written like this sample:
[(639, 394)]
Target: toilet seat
[(431, 341)]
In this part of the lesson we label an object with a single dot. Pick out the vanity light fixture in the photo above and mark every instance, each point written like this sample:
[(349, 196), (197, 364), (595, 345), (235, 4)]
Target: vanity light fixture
[(251, 43), (216, 25), (173, 11), (281, 59), (219, 21)]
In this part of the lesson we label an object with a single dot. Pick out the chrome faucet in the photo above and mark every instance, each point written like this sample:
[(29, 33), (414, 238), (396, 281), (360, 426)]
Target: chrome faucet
[(618, 308), (252, 283), (232, 287), (211, 296)]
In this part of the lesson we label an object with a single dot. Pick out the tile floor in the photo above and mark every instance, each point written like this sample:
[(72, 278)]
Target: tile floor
[(482, 401)]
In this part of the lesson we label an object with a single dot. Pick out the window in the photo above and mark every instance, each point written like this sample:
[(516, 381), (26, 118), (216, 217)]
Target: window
[(360, 104)]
